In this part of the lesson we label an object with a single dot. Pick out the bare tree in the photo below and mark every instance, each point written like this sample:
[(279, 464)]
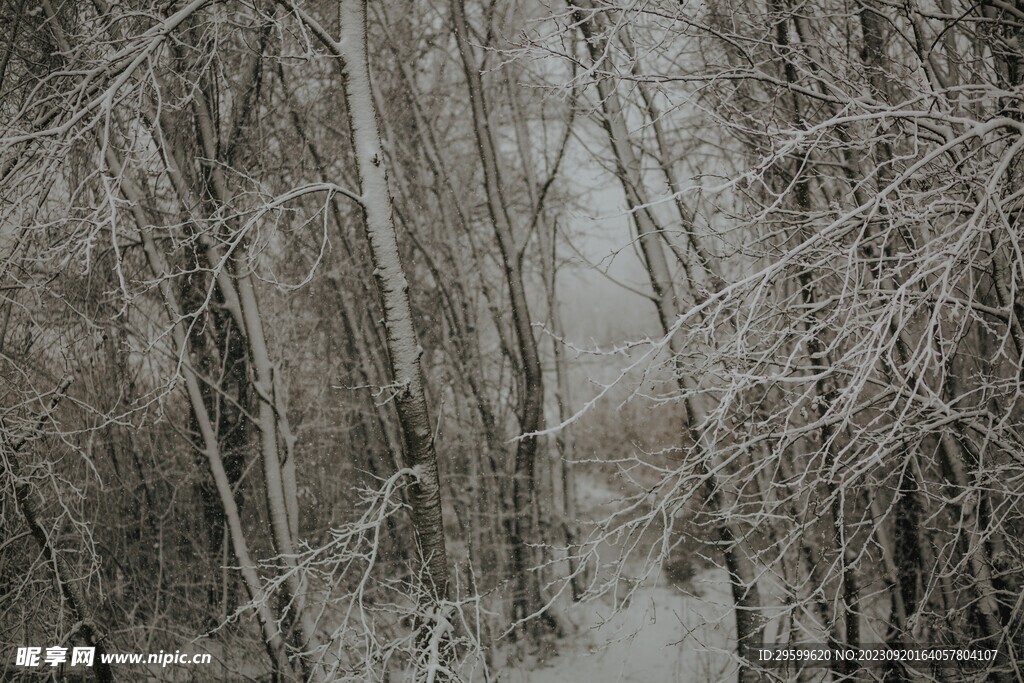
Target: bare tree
[(325, 251)]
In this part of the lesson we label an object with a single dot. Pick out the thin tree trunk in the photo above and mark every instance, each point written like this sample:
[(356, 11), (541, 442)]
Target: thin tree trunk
[(91, 632), (527, 601), (825, 397), (272, 636), (282, 504), (547, 234), (686, 215)]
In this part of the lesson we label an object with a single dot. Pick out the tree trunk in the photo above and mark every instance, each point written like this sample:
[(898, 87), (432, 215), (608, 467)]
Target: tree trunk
[(272, 636), (404, 350), (91, 632), (527, 601)]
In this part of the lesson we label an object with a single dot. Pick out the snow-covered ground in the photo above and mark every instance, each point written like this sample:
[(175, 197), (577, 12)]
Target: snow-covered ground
[(663, 635), (666, 632)]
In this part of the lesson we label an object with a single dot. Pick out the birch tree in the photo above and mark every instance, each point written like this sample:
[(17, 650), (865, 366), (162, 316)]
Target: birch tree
[(404, 351)]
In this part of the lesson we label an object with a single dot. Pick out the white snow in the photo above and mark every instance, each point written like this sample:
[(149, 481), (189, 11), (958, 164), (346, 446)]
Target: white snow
[(663, 635)]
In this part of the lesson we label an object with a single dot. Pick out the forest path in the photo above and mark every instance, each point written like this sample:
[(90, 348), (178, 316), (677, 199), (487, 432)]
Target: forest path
[(663, 634)]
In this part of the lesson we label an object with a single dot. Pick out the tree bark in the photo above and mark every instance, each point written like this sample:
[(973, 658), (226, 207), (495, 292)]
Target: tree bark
[(404, 350)]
